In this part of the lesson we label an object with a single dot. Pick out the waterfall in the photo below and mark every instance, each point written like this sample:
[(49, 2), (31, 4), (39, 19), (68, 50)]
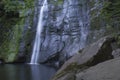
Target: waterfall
[(84, 24), (84, 34), (36, 47)]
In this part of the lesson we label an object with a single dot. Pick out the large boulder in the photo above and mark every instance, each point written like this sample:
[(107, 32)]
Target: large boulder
[(108, 70), (93, 54)]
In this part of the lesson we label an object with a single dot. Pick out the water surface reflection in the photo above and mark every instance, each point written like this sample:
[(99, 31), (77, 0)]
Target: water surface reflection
[(26, 72)]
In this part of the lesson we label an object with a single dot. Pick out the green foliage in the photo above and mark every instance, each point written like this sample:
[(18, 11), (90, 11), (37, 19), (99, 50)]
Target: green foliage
[(12, 20), (60, 1), (119, 41), (10, 5), (16, 5), (111, 12), (11, 41), (57, 3), (117, 38)]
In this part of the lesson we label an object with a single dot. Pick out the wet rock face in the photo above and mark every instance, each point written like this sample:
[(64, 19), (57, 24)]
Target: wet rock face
[(66, 26)]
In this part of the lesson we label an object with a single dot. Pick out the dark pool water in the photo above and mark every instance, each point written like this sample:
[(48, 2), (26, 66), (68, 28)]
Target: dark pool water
[(26, 72)]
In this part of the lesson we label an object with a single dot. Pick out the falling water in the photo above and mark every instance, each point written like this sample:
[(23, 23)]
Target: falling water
[(84, 34), (36, 47), (84, 25)]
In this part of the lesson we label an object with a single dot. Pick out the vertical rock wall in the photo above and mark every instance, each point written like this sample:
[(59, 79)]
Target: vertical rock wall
[(66, 27)]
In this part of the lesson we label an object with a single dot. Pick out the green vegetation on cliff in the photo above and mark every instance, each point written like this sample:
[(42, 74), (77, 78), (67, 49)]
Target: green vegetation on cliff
[(13, 14), (111, 12)]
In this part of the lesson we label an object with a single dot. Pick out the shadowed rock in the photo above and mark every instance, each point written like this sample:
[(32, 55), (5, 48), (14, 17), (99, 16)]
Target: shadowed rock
[(95, 53), (108, 70), (116, 53)]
